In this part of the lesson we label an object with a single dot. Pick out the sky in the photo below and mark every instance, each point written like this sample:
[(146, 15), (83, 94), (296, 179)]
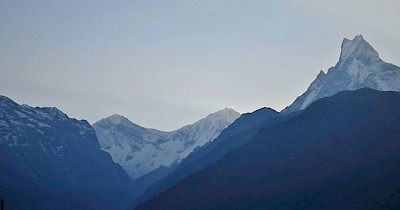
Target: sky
[(167, 63)]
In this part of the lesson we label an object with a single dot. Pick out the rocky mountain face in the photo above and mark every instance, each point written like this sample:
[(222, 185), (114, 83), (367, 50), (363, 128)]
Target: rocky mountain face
[(359, 66), (341, 152), (141, 150), (50, 161)]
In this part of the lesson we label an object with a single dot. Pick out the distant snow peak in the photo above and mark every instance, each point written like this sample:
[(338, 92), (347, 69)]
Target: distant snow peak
[(359, 66), (117, 119), (228, 114), (141, 150), (359, 49)]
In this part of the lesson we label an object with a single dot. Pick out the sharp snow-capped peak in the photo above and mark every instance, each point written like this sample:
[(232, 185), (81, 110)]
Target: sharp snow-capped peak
[(359, 49), (225, 114), (359, 66), (117, 119), (141, 150)]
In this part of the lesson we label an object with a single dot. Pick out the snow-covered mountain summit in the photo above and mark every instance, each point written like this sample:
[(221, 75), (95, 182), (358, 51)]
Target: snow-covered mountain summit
[(141, 150), (359, 49), (359, 66)]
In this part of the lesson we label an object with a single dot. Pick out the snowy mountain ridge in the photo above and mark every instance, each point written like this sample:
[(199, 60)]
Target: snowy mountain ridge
[(141, 150), (47, 158), (15, 119), (359, 66)]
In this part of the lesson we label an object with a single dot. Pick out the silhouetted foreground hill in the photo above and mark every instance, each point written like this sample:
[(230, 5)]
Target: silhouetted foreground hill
[(342, 152), (234, 136)]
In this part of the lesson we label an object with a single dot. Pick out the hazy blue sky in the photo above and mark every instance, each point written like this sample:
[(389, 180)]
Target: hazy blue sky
[(168, 63)]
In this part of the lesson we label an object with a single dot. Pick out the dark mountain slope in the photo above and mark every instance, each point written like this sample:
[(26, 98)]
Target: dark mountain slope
[(342, 152), (233, 137), (50, 161)]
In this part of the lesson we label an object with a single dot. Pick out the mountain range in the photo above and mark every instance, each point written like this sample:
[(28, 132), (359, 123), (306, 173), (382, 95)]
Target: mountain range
[(341, 152), (359, 66), (141, 150), (334, 147), (234, 136), (148, 155)]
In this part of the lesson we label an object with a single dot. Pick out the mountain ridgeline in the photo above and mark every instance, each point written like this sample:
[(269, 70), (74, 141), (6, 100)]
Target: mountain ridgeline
[(148, 155), (233, 137), (141, 150), (359, 66), (50, 161), (341, 152), (335, 147)]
